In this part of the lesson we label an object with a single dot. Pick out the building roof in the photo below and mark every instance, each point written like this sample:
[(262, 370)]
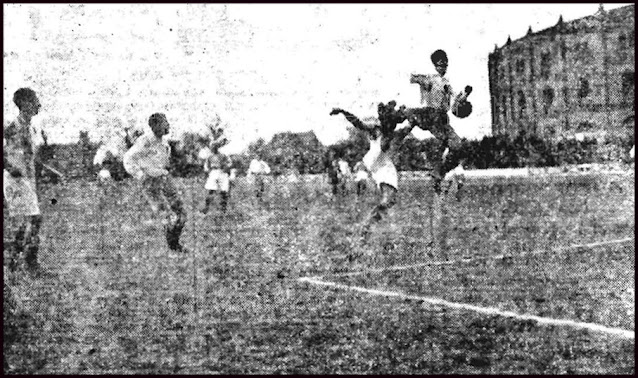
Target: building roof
[(618, 15)]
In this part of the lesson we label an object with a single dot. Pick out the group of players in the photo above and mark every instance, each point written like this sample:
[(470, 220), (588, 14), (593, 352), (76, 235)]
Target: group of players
[(147, 160)]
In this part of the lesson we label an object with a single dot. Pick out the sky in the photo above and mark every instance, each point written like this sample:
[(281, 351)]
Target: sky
[(259, 68)]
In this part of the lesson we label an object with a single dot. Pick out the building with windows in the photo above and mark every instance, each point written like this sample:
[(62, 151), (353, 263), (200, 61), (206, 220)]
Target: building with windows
[(573, 79)]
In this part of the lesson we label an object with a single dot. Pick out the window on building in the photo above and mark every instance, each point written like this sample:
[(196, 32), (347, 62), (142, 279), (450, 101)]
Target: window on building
[(623, 47), (566, 96), (583, 53), (627, 87), (520, 67), (504, 108), (522, 104), (548, 100), (584, 90), (563, 50), (546, 62)]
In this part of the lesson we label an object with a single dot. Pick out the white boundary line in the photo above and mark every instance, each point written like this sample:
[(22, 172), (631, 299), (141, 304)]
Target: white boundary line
[(468, 260), (622, 333)]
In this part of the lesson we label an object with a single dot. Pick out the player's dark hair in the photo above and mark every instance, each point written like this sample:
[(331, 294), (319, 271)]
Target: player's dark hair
[(438, 55), (155, 119), (24, 96)]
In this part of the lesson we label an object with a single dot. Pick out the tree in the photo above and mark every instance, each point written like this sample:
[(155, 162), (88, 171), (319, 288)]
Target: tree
[(302, 152), (184, 152)]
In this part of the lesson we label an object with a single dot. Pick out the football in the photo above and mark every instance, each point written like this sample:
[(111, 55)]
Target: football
[(463, 110)]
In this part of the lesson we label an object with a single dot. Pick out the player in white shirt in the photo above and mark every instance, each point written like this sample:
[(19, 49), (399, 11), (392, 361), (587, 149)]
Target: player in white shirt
[(436, 95), (218, 182), (257, 170), (378, 159), (148, 161), (19, 181)]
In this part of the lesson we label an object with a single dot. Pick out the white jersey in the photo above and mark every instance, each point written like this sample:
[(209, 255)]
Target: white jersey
[(113, 147), (380, 165), (204, 153), (217, 180), (436, 91), (104, 153), (149, 155), (344, 168), (258, 167)]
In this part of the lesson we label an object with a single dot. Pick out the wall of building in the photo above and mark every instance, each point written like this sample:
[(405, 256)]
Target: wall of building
[(575, 77)]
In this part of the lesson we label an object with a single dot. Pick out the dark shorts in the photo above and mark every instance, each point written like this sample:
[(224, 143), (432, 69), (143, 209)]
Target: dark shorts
[(437, 122), (162, 189), (388, 195)]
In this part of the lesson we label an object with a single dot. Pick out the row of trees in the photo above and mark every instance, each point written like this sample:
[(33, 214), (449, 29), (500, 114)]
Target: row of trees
[(304, 153), (501, 151)]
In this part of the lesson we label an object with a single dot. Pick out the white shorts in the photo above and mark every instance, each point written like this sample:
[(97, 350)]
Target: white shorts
[(361, 176), (386, 174), (380, 165), (20, 195), (217, 180)]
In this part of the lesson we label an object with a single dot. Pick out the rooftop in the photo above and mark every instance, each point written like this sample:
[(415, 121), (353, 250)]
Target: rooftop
[(618, 15)]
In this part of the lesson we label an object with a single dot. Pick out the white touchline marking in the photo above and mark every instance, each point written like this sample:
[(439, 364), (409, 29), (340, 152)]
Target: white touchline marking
[(468, 260), (626, 334)]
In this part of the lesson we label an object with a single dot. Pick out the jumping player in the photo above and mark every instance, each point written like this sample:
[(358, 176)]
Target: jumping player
[(378, 159), (148, 161), (436, 94), (19, 185)]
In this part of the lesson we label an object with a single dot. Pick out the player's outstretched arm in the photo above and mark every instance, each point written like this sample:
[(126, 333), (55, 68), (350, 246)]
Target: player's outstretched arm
[(219, 142), (356, 122), (132, 159), (401, 134)]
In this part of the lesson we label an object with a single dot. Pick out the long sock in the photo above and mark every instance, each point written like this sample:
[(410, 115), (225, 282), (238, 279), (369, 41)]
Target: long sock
[(209, 201), (224, 200)]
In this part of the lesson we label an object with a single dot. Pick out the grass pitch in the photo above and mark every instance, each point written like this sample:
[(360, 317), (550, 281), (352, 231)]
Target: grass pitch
[(118, 302)]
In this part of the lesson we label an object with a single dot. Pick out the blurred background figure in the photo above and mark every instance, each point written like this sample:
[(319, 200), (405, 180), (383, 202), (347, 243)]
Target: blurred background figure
[(109, 157), (332, 168), (361, 177), (256, 172), (218, 167), (345, 174), (232, 177)]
